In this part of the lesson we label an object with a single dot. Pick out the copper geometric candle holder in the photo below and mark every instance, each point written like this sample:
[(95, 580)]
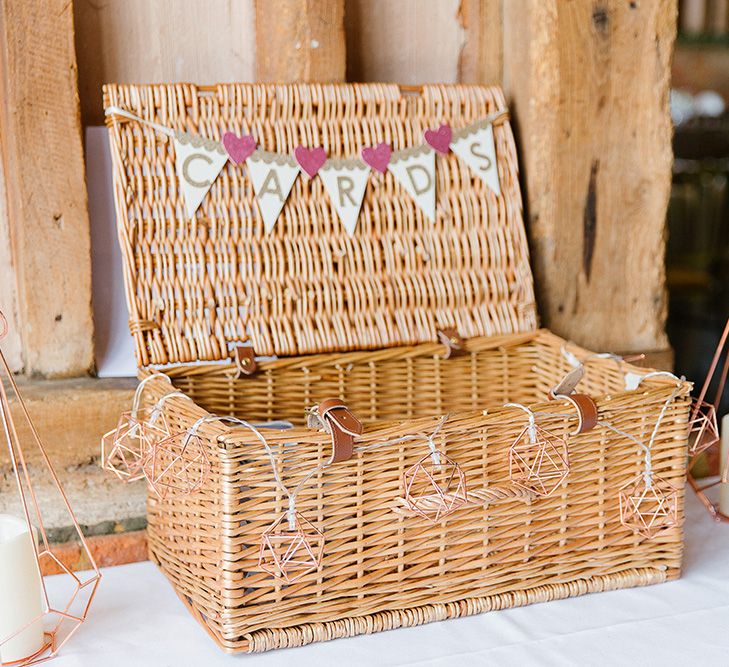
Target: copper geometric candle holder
[(124, 449), (178, 463), (291, 548), (704, 435), (647, 505), (59, 615), (538, 461), (435, 486), (703, 427)]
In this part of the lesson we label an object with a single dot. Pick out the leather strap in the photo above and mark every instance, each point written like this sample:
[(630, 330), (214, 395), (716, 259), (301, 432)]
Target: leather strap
[(586, 410), (452, 341), (343, 426), (245, 360)]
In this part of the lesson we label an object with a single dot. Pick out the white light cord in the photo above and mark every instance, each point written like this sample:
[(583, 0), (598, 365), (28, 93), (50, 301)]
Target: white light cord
[(118, 111)]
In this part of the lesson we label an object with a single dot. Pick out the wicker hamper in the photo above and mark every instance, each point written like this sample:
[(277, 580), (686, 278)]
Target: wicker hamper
[(357, 319)]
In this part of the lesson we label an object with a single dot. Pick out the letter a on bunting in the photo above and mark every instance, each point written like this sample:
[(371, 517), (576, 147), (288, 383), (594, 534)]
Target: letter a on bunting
[(345, 182), (414, 169), (273, 177)]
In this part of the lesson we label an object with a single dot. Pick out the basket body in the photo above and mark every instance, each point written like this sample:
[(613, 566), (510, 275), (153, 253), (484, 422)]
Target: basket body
[(383, 568), (357, 318)]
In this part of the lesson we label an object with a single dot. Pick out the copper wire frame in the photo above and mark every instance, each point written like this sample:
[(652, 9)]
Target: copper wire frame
[(124, 450), (538, 461), (65, 619), (291, 550), (435, 488), (700, 409), (647, 505), (177, 463)]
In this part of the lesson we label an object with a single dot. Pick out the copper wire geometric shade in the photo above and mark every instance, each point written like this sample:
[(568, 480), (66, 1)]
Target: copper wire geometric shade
[(703, 427), (704, 437), (59, 614), (538, 461), (124, 449), (290, 550), (435, 489), (178, 462), (648, 506)]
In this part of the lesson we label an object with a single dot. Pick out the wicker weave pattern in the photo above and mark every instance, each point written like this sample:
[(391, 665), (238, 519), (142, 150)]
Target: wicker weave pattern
[(365, 311), (196, 286), (383, 568)]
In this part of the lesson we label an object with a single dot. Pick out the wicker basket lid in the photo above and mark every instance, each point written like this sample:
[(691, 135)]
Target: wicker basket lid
[(198, 287)]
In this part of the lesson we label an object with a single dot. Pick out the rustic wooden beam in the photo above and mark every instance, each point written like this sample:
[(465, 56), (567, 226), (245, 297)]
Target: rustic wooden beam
[(70, 416), (482, 56), (41, 164), (589, 85), (300, 40), (138, 41), (408, 41)]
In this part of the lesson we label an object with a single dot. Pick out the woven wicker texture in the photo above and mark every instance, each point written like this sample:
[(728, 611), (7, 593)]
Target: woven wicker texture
[(194, 286), (366, 311), (384, 567)]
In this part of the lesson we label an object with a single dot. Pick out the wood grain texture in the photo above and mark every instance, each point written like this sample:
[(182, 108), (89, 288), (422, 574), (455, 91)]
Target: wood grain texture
[(45, 192), (482, 56), (409, 41), (589, 83), (300, 41), (138, 41)]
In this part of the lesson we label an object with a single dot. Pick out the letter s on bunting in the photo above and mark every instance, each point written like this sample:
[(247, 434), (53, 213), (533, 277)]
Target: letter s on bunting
[(475, 146)]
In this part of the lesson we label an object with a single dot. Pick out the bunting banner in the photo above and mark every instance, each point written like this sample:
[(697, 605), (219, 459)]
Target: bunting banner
[(414, 169), (273, 176), (475, 146), (345, 182), (199, 161)]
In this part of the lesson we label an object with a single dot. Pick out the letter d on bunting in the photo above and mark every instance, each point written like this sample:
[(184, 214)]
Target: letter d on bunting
[(414, 169)]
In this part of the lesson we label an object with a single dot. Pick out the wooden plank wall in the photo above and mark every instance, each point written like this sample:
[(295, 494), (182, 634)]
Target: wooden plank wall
[(44, 217), (589, 82)]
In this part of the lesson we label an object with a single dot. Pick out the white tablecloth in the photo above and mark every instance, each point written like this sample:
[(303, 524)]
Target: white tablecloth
[(137, 620)]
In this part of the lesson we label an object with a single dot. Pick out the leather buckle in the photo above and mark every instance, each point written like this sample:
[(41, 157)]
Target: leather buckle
[(585, 406), (452, 342), (245, 360), (335, 418)]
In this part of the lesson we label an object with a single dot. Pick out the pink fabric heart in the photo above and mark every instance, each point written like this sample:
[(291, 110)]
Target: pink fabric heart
[(310, 160), (440, 139), (378, 157), (239, 149)]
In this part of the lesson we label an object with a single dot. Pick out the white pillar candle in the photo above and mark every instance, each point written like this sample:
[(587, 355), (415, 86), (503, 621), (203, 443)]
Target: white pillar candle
[(21, 598), (723, 456)]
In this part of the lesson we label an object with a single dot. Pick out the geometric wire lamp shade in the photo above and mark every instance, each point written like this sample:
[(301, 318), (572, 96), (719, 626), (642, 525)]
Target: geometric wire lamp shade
[(34, 621), (124, 449), (648, 505)]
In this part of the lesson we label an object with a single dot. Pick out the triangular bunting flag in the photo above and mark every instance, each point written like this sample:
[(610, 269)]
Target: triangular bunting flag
[(475, 146), (345, 182), (198, 162), (273, 176), (414, 169)]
